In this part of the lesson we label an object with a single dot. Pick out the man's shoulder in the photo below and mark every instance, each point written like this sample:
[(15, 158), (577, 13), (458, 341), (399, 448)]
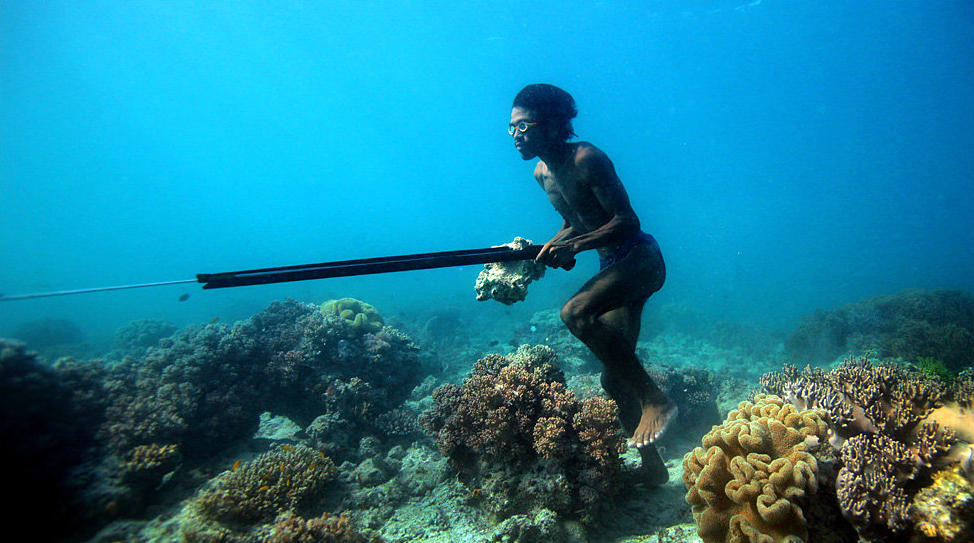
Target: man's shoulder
[(588, 155), (587, 151)]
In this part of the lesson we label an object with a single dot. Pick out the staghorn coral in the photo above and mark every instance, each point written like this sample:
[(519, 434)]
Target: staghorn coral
[(751, 476), (507, 282), (514, 428), (237, 503), (364, 317)]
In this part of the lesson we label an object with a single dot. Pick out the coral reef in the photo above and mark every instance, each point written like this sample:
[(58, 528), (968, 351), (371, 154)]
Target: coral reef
[(136, 337), (119, 431), (893, 426), (912, 324), (241, 502), (45, 429), (363, 317), (198, 383), (692, 390), (324, 529), (753, 473), (519, 435), (507, 282), (944, 510)]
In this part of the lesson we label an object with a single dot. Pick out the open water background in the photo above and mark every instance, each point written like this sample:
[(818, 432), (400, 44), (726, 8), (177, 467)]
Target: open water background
[(788, 156)]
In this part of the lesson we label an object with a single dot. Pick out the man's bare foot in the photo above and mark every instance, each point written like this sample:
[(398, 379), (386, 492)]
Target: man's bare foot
[(652, 423)]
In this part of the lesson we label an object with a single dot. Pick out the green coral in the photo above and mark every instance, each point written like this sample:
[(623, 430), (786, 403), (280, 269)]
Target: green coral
[(934, 367), (363, 317)]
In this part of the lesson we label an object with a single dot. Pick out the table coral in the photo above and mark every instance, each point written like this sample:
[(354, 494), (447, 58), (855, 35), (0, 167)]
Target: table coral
[(517, 431), (507, 282), (749, 479)]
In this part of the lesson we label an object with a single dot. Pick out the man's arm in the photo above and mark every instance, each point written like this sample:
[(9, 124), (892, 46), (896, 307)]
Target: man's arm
[(605, 185)]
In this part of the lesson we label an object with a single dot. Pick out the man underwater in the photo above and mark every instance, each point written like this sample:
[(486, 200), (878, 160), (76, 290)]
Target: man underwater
[(606, 312)]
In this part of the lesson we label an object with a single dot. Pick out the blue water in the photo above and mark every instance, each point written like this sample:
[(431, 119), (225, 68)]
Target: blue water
[(787, 155)]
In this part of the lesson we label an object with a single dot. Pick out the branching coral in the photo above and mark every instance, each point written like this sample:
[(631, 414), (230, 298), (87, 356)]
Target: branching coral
[(145, 465), (286, 479), (751, 476), (137, 336), (514, 425), (324, 529)]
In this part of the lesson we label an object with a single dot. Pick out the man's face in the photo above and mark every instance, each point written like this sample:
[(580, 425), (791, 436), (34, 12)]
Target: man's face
[(530, 141)]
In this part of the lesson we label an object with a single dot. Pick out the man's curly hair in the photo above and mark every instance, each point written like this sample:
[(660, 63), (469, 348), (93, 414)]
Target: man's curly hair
[(552, 105)]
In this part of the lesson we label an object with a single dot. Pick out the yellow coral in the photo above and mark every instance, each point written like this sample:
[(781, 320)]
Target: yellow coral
[(745, 482), (364, 317), (944, 511)]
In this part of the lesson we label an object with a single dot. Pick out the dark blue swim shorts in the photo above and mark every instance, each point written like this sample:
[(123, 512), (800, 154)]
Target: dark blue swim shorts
[(623, 249)]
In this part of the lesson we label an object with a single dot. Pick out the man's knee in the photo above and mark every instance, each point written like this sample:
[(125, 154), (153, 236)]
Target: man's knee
[(576, 318)]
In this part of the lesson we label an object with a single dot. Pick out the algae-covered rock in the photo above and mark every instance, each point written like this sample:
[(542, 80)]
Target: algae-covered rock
[(507, 282), (364, 317)]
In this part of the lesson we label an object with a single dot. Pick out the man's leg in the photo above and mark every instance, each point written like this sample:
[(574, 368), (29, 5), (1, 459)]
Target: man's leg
[(605, 315)]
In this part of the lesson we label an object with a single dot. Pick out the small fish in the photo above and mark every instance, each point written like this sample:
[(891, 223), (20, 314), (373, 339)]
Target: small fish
[(184, 297), (287, 448), (264, 488), (236, 465), (493, 343), (214, 319)]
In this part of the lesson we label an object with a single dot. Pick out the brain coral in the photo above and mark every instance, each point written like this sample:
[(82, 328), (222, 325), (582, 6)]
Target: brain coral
[(748, 480), (364, 317)]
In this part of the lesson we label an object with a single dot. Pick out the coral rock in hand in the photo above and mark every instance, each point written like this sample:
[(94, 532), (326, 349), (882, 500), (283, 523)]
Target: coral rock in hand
[(507, 282)]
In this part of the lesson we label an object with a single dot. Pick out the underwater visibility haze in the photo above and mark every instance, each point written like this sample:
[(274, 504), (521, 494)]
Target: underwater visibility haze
[(807, 168)]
